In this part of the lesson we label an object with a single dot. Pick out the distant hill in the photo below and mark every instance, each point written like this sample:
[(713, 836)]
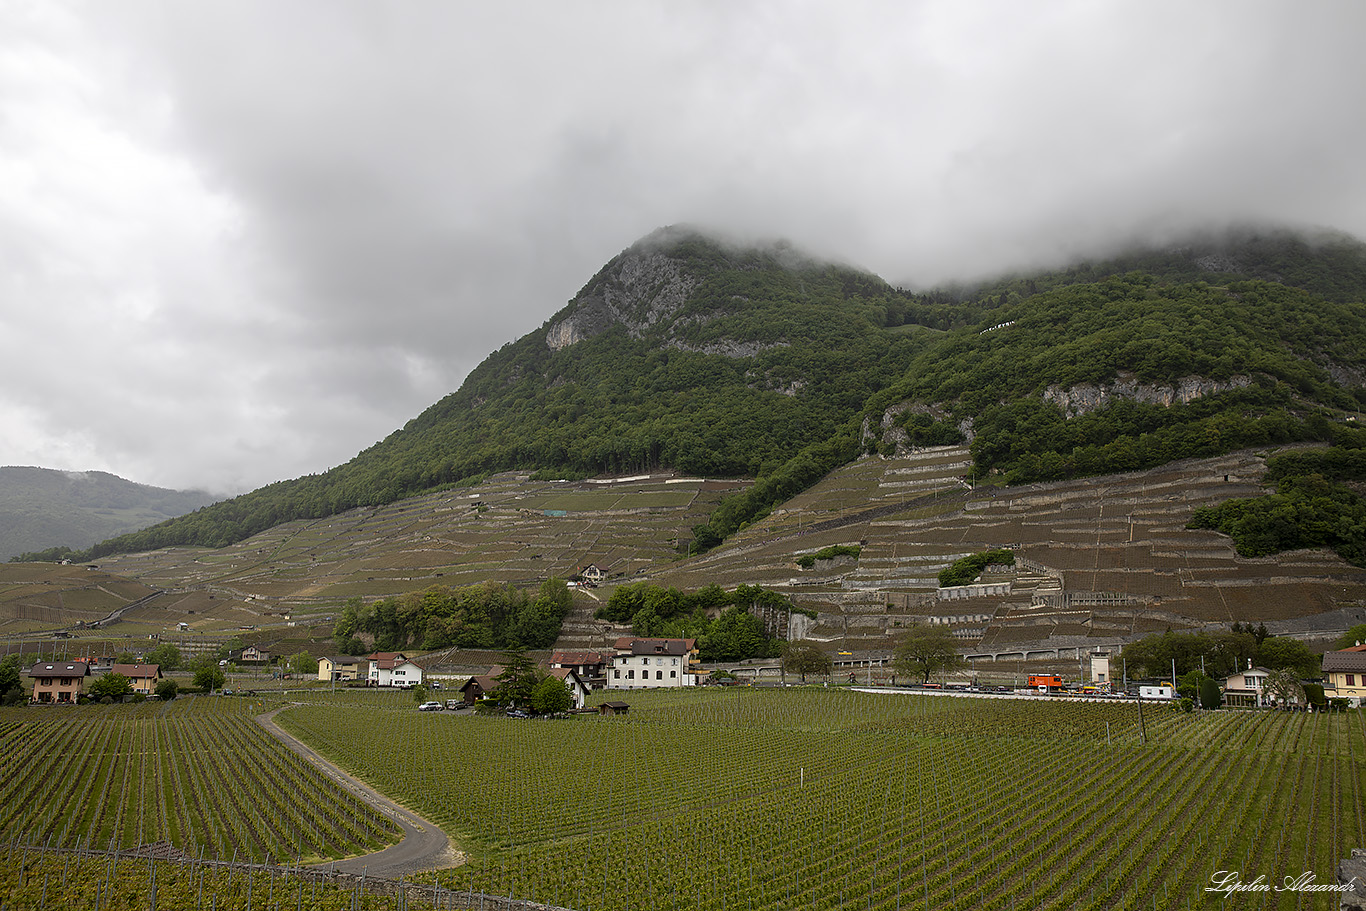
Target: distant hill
[(688, 353), (42, 509)]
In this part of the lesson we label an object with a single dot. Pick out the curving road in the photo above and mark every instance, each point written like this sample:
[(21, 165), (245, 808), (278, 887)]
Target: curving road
[(424, 846)]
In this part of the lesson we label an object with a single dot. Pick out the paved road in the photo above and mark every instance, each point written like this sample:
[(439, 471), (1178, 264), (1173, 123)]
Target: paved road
[(424, 846)]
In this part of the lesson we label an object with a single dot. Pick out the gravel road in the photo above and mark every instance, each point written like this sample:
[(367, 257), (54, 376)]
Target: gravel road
[(424, 846)]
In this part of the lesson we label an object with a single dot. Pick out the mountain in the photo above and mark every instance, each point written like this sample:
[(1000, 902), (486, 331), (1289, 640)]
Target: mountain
[(715, 359), (42, 509)]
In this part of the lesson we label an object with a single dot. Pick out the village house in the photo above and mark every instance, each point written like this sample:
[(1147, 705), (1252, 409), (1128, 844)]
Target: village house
[(1344, 673), (654, 663), (1247, 689), (60, 682), (393, 669), (591, 666), (340, 667), (251, 655), (143, 677), (578, 690), (479, 686)]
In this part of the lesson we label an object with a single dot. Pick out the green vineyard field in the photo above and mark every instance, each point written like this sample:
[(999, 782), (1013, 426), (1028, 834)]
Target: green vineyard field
[(827, 798), (199, 774), (698, 801)]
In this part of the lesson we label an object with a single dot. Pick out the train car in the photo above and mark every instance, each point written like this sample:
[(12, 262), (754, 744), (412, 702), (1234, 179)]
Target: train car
[(1047, 683)]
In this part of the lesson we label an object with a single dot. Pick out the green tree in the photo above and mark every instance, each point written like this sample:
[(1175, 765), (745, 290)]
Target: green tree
[(1354, 636), (167, 689), (302, 664), (550, 697), (1283, 652), (165, 656), (516, 680), (735, 635), (1188, 685), (112, 685), (1210, 695), (803, 657), (1284, 687), (208, 676), (924, 650), (11, 685), (235, 644)]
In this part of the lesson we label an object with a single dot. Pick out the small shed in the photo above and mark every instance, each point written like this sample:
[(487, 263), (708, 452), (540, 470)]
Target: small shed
[(613, 708)]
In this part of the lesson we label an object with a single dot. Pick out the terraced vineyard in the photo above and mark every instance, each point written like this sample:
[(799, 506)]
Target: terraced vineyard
[(1099, 560), (199, 774), (823, 798), (506, 529)]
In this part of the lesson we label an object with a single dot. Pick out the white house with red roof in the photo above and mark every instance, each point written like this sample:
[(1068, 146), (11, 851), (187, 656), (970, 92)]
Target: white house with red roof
[(655, 664), (393, 669)]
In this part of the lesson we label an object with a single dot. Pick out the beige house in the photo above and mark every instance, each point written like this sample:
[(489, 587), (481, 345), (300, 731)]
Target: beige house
[(1247, 689), (59, 682), (144, 677), (1344, 674), (341, 667)]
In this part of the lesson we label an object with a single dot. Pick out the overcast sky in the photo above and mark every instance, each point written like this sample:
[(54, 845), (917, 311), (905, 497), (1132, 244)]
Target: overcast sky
[(241, 241)]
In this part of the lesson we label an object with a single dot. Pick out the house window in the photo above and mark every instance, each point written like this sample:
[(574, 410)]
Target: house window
[(1351, 680), (674, 662), (659, 675), (673, 674), (616, 675), (630, 675)]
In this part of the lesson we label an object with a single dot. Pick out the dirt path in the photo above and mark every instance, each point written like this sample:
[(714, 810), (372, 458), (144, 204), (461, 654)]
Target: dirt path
[(424, 846)]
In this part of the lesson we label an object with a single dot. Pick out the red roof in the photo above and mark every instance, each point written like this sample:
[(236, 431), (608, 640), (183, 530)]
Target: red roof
[(581, 657), (655, 646), (60, 669), (1347, 659), (137, 671)]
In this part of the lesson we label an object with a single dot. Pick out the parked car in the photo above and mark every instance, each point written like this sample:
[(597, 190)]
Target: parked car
[(518, 713), (430, 707), (454, 704)]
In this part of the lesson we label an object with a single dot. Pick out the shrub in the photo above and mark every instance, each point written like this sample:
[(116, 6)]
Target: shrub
[(806, 561), (964, 570)]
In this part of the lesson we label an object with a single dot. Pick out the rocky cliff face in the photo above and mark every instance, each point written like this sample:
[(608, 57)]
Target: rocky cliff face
[(639, 290), (1089, 397)]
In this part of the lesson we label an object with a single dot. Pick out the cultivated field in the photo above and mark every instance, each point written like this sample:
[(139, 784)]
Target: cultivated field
[(197, 773), (712, 799), (1101, 560), (827, 798)]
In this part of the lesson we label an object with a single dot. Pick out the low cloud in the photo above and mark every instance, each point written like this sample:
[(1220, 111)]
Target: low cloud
[(241, 241)]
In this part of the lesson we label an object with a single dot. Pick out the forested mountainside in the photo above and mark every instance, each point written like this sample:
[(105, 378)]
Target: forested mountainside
[(59, 511), (689, 353)]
